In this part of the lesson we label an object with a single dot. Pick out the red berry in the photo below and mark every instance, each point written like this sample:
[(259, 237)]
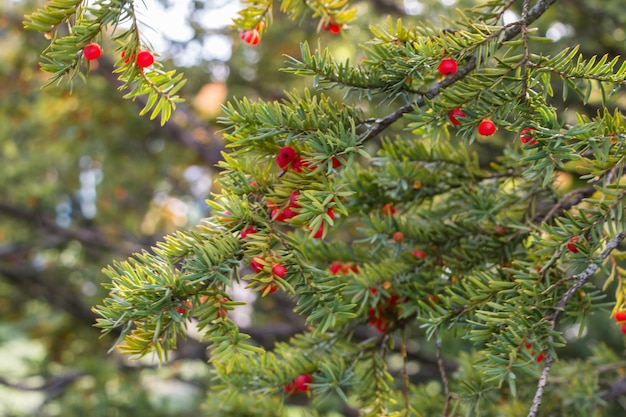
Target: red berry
[(453, 114), (448, 66), (623, 328), (290, 388), (620, 316), (393, 301), (127, 60), (186, 304), (269, 288), (279, 270), (389, 209), (257, 264), (540, 357), (487, 128), (335, 267), (374, 290), (288, 213), (332, 27), (251, 37), (319, 233), (571, 246), (293, 199), (297, 164), (331, 213), (250, 230), (302, 382), (277, 215), (419, 254), (526, 136), (338, 161), (92, 51), (398, 237), (145, 59), (285, 156)]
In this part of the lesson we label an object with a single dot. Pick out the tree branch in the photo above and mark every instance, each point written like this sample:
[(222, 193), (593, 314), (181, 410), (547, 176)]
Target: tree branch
[(580, 280), (513, 30), (87, 236)]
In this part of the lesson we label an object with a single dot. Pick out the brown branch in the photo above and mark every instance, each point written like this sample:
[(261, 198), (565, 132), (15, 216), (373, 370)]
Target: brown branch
[(617, 390), (87, 236), (444, 379)]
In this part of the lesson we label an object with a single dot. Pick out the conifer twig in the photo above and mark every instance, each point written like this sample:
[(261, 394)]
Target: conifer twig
[(580, 279), (514, 29)]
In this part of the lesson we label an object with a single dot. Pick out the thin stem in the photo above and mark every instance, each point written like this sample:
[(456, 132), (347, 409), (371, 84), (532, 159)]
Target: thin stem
[(526, 75), (444, 378), (405, 372)]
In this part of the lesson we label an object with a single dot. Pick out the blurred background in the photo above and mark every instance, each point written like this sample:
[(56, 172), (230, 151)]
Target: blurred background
[(85, 180)]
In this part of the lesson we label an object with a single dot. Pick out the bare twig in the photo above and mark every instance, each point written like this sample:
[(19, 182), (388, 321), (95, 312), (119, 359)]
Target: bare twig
[(617, 390), (526, 59), (444, 378), (87, 236), (405, 372)]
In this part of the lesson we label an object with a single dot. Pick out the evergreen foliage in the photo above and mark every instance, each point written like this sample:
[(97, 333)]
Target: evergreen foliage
[(486, 254)]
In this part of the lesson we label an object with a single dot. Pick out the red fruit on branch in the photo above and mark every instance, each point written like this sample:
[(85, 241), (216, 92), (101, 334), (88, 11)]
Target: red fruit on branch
[(92, 51), (526, 136), (145, 59), (288, 213), (186, 305), (332, 27), (448, 66), (623, 328), (257, 264), (338, 161), (571, 246), (302, 382), (297, 164), (250, 230), (419, 254), (620, 316), (286, 156), (251, 37), (398, 237), (279, 270), (293, 199), (221, 310), (389, 209), (269, 288), (336, 267), (278, 215), (319, 233), (453, 114), (127, 60), (487, 128)]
